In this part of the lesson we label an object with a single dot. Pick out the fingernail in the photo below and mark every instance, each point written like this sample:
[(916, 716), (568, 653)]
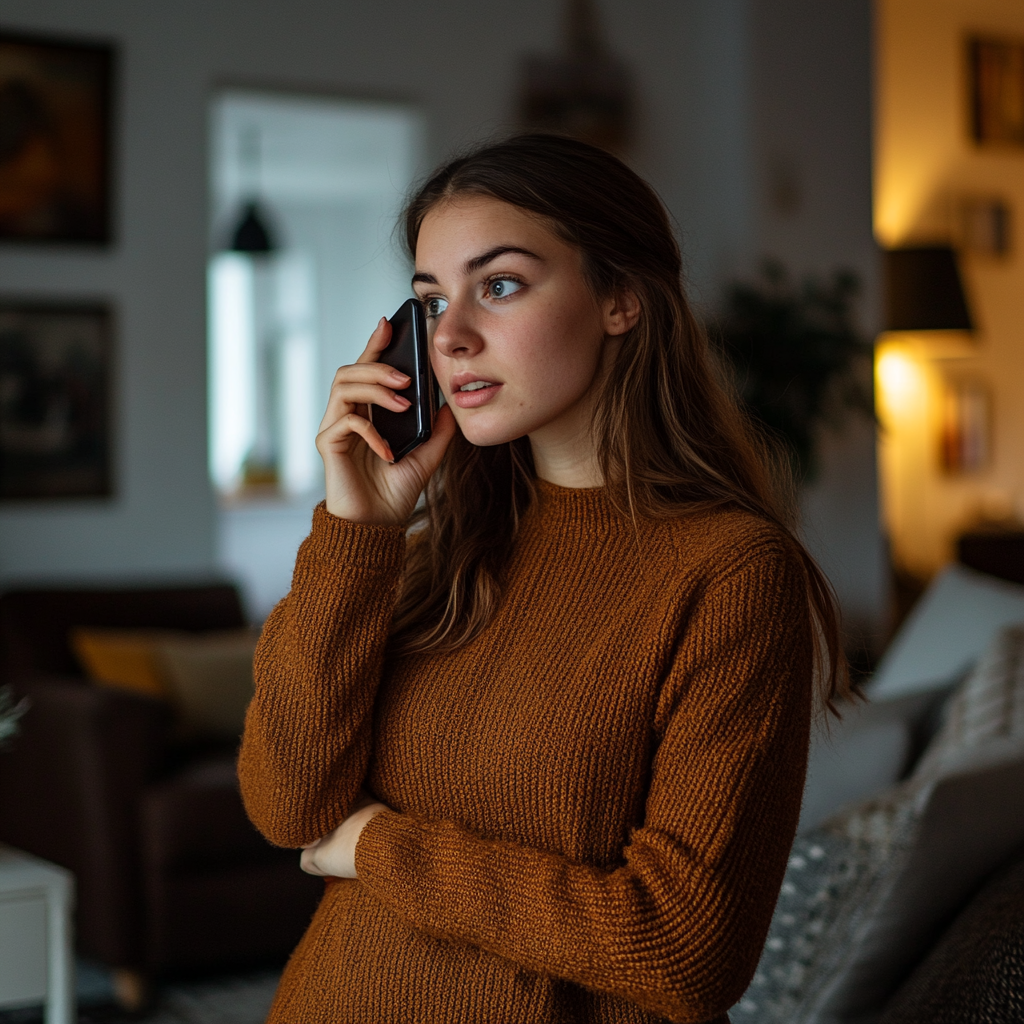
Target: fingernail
[(398, 375), (405, 401)]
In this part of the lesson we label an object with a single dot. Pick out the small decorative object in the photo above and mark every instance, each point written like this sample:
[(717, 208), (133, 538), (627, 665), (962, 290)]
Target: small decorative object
[(966, 426), (585, 92), (11, 712), (798, 358), (54, 398), (986, 226), (54, 140), (997, 90)]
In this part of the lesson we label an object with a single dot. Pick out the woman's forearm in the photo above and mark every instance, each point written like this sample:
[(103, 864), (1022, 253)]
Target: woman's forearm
[(307, 738)]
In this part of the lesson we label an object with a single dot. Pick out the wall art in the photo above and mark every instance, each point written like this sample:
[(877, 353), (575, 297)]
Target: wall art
[(55, 386), (55, 140)]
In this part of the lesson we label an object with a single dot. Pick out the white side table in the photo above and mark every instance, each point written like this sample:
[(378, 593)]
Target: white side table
[(36, 960)]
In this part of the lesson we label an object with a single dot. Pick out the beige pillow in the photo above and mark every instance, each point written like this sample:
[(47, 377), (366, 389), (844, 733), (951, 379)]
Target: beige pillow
[(209, 677)]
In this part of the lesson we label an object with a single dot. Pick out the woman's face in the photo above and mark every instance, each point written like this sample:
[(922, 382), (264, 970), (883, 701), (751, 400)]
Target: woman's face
[(517, 336)]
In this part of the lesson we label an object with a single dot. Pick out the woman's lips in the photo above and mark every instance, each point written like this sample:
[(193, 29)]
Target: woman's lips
[(471, 399)]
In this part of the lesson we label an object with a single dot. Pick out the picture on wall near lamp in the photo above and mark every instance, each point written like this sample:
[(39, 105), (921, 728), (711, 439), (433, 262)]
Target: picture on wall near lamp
[(966, 426), (55, 383), (55, 140), (997, 90)]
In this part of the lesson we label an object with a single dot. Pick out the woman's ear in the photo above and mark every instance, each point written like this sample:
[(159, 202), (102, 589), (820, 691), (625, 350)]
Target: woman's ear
[(621, 311)]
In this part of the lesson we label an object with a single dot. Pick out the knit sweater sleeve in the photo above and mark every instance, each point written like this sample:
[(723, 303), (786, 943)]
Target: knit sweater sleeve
[(678, 927), (307, 738)]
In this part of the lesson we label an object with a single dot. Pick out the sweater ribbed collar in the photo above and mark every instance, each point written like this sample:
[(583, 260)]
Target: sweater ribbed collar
[(568, 507)]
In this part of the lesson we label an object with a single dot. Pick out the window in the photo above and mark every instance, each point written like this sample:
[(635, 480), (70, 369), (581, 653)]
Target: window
[(305, 192)]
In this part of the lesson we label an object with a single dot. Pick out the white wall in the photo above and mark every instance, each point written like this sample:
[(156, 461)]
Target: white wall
[(703, 88), (811, 140)]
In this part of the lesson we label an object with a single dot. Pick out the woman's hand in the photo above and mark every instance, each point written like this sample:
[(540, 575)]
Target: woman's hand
[(363, 485), (334, 855)]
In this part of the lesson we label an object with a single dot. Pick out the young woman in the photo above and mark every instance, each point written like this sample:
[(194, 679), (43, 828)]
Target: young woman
[(576, 685)]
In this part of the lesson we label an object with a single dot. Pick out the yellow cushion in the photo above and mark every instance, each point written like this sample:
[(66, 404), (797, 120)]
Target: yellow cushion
[(123, 658)]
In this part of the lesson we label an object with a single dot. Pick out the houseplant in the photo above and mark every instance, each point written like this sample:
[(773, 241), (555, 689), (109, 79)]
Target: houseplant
[(798, 360)]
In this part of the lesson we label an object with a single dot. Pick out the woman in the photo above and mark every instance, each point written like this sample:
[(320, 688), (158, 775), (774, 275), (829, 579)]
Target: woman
[(577, 683)]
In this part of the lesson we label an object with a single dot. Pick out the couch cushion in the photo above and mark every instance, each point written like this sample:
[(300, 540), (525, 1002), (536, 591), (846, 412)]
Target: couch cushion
[(207, 677), (864, 753), (987, 708), (196, 819), (975, 973), (947, 631), (866, 893), (210, 679), (123, 658)]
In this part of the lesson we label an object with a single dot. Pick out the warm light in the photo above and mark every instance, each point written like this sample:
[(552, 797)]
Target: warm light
[(900, 383)]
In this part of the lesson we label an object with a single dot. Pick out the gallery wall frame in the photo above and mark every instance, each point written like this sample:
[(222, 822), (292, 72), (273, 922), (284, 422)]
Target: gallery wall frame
[(56, 377), (56, 139), (996, 90)]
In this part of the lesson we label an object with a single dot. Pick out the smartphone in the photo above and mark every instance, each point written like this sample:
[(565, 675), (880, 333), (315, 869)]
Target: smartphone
[(407, 351)]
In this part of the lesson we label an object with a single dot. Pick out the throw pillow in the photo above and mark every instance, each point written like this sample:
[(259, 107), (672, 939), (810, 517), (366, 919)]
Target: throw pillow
[(206, 676), (988, 707), (209, 676), (864, 753), (866, 893), (122, 658), (975, 973), (947, 631)]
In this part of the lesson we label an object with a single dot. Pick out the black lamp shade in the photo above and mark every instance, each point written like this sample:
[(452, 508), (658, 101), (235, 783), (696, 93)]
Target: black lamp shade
[(252, 234), (924, 291)]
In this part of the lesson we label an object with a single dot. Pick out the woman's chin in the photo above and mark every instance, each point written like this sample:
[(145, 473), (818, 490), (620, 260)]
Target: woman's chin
[(486, 435)]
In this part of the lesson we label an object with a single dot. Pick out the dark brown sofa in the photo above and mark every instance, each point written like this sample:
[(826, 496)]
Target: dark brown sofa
[(171, 875)]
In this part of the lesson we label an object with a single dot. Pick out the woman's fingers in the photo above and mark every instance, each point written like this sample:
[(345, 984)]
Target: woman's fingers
[(307, 861), (342, 430), (379, 341), (372, 394), (347, 381)]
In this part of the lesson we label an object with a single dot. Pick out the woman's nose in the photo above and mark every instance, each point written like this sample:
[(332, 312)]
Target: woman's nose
[(455, 334)]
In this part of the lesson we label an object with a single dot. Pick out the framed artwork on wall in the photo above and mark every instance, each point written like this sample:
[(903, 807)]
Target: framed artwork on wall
[(55, 386), (997, 90), (966, 438), (55, 140)]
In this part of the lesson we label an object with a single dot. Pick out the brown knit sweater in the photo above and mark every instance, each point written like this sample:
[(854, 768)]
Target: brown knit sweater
[(593, 801)]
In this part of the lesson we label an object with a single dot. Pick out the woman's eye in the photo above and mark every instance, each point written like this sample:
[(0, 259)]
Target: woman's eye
[(502, 286), (435, 307)]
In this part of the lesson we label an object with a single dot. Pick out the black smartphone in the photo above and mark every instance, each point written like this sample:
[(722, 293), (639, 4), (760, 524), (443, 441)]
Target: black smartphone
[(407, 351)]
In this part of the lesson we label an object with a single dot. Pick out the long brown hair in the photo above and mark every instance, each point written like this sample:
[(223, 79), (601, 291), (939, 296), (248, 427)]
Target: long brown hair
[(670, 436)]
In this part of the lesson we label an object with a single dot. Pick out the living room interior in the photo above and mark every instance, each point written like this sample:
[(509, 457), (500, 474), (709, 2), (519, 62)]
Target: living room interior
[(250, 161)]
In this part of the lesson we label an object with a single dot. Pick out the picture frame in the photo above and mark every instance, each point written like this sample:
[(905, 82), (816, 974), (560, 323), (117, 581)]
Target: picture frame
[(996, 71), (55, 390), (55, 147)]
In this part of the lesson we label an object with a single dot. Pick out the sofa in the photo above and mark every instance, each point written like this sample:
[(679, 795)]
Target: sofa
[(905, 886), (171, 876)]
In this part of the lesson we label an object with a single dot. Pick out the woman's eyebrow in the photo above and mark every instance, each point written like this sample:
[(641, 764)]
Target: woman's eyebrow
[(492, 254), (476, 262)]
